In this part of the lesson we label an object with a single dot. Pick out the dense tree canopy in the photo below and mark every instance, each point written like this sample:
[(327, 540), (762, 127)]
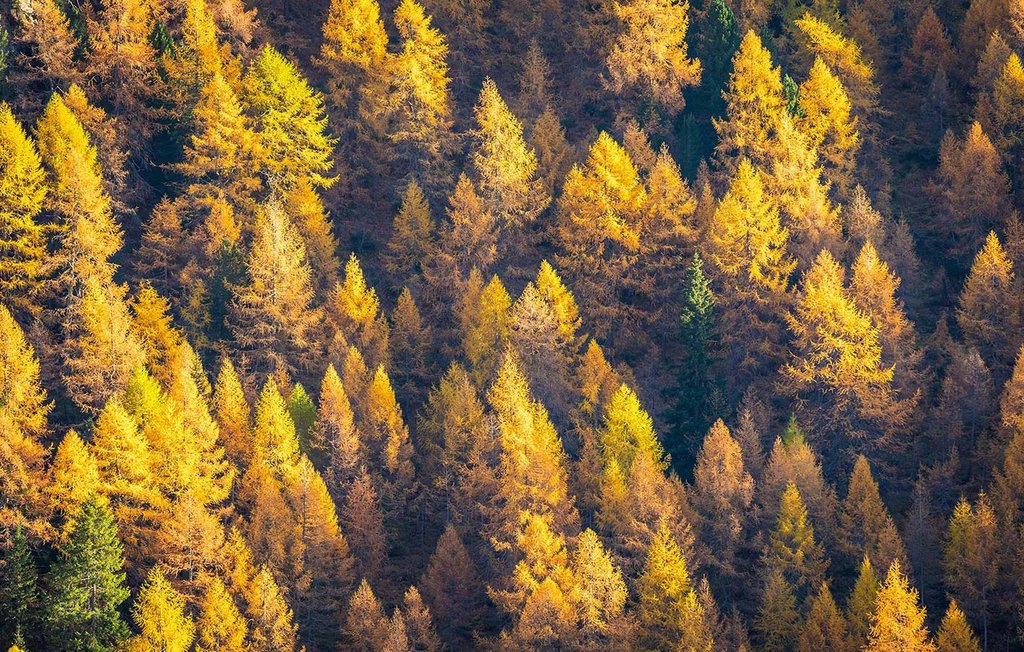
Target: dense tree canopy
[(496, 324)]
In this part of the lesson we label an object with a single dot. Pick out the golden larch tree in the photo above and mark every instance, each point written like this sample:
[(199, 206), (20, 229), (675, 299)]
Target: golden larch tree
[(670, 613), (955, 633), (220, 625), (159, 613), (989, 309), (754, 103), (829, 125), (650, 63), (898, 621), (273, 318), (87, 233), (290, 119), (418, 109), (23, 411), (504, 166), (105, 347), (22, 193)]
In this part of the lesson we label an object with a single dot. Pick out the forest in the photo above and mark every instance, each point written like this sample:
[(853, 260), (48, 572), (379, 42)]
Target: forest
[(394, 325)]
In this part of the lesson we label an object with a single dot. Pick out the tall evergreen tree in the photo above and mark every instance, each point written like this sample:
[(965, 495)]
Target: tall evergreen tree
[(695, 390), (87, 586), (20, 597)]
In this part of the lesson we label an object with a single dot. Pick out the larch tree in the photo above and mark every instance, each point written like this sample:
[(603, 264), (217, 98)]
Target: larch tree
[(599, 591), (535, 335), (161, 341), (453, 435), (363, 523), (898, 621), (365, 622), (982, 18), (650, 64), (667, 604), (554, 153), (322, 574), (418, 111), (722, 495), (412, 234), (597, 228), (1004, 108), (335, 437), (537, 593), (419, 623), (195, 59), (989, 310), (535, 92), (990, 66), (23, 191), (87, 233), (354, 314), (74, 479), (107, 134), (125, 464), (629, 433), (562, 302), (777, 623), (793, 460), (222, 154), (452, 586), (273, 320), (220, 625), (874, 289), (829, 125), (971, 560), (105, 346), (930, 49), (754, 103), (354, 55), (43, 56), (597, 381), (271, 618), (748, 250), (792, 547), (87, 585), (274, 442), (973, 191), (825, 627), (290, 119), (504, 165), (955, 633), (533, 474), (845, 58), (159, 613), (303, 413), (23, 412), (469, 238), (388, 437), (837, 363), (411, 340), (666, 233), (231, 410), (866, 528), (306, 209), (861, 604), (122, 53), (484, 319)]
